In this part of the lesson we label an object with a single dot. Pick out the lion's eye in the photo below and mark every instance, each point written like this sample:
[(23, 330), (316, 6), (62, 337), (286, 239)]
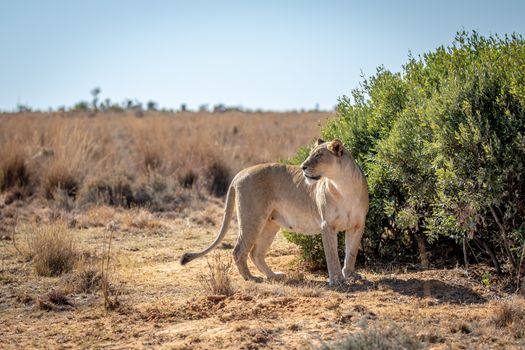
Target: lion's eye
[(318, 155)]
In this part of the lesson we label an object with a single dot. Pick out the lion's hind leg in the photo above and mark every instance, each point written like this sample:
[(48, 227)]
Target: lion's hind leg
[(258, 252), (248, 235)]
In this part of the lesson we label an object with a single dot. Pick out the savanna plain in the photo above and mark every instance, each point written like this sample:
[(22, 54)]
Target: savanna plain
[(97, 208)]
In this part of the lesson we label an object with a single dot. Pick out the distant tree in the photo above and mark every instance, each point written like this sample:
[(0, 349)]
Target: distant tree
[(234, 109), (151, 105), (81, 106), (127, 104), (95, 92), (105, 105), (137, 108), (23, 108), (219, 108), (115, 107), (203, 107), (183, 107), (137, 105)]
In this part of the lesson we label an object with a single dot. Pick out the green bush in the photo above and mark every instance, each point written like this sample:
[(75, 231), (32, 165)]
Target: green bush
[(312, 252), (443, 147)]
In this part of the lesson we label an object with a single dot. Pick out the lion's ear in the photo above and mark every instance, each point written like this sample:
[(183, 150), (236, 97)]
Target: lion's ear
[(336, 147), (319, 142)]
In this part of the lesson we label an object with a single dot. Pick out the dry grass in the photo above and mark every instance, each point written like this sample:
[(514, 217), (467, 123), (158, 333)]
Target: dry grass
[(97, 216), (14, 171), (52, 248), (188, 179), (54, 300), (510, 315), (388, 338), (114, 190), (59, 177), (84, 280), (216, 280), (141, 219), (159, 304), (119, 159)]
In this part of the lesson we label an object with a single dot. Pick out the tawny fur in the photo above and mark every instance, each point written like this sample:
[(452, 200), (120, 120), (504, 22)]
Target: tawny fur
[(327, 194)]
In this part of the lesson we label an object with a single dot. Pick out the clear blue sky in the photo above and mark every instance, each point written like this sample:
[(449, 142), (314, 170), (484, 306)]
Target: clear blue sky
[(259, 54)]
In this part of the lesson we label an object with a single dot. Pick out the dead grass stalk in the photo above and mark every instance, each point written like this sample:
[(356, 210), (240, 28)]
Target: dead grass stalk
[(216, 280), (109, 295)]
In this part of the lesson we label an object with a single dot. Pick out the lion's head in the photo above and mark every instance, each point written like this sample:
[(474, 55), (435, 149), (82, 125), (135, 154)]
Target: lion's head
[(324, 160)]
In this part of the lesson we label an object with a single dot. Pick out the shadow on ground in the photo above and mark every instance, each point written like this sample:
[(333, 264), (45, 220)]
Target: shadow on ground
[(420, 288), (441, 291)]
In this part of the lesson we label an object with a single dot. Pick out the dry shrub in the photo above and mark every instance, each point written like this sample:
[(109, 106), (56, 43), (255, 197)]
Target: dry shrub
[(54, 300), (188, 179), (217, 281), (17, 193), (59, 178), (150, 156), (24, 297), (120, 192), (218, 177), (52, 248), (113, 190), (141, 219), (510, 314), (150, 190), (14, 171), (62, 201), (87, 278)]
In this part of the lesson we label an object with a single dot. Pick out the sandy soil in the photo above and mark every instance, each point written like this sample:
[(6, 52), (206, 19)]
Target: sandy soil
[(161, 304)]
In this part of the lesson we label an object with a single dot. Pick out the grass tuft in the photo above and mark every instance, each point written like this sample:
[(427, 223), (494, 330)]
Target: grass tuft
[(54, 300), (14, 171), (87, 279), (390, 338), (113, 190), (59, 178), (188, 179), (216, 280), (510, 314), (152, 156), (52, 248)]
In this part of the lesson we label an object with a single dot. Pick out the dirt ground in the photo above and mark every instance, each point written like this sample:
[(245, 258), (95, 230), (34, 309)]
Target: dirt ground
[(157, 303)]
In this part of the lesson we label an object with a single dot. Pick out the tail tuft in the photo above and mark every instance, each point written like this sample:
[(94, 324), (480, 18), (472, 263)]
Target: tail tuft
[(228, 212), (186, 258)]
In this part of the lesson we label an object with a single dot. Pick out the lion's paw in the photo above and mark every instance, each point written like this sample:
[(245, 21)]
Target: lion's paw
[(337, 282)]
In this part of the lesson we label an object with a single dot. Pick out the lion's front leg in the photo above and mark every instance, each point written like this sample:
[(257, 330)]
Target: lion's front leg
[(352, 242), (329, 238)]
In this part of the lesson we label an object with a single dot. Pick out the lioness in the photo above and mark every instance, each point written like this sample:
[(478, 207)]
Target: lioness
[(328, 193)]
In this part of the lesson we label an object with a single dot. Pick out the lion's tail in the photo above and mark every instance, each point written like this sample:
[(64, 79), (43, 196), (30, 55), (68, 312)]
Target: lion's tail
[(228, 212)]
